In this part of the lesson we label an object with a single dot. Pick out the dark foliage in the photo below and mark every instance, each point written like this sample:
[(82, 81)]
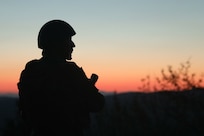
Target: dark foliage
[(164, 113), (173, 80)]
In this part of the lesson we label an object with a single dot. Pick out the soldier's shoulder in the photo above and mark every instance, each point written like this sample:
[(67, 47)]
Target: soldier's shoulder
[(71, 63), (32, 63), (73, 67)]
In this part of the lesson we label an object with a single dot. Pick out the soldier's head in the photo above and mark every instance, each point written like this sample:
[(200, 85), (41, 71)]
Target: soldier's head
[(55, 39)]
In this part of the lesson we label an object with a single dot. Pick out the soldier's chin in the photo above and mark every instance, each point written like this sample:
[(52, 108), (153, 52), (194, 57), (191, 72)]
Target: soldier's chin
[(68, 57)]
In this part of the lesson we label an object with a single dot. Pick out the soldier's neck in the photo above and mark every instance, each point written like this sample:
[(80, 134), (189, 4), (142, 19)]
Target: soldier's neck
[(53, 57)]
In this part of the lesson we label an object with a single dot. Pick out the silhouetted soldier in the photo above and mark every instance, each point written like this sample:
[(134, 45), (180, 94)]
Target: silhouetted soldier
[(55, 96)]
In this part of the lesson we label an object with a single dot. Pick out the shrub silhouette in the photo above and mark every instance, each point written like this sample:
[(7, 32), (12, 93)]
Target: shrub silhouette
[(175, 80), (142, 114)]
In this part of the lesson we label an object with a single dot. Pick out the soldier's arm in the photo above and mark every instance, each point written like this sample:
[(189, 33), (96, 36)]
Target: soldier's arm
[(93, 99)]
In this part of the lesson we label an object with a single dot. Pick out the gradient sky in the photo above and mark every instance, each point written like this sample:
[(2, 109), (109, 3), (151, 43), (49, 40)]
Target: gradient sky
[(120, 40)]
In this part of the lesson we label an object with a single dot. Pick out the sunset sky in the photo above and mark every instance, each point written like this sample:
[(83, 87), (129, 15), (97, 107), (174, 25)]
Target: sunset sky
[(120, 40)]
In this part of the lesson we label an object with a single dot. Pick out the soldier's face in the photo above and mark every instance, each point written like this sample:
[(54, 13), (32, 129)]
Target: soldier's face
[(69, 48)]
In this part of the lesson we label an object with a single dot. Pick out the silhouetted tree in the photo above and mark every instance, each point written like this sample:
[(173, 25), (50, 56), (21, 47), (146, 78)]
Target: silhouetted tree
[(177, 80)]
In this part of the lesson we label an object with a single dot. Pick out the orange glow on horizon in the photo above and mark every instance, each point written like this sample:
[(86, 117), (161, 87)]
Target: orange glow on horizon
[(118, 86), (113, 82), (8, 87), (106, 86)]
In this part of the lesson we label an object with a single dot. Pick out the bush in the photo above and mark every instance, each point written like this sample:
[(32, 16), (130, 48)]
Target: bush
[(176, 80)]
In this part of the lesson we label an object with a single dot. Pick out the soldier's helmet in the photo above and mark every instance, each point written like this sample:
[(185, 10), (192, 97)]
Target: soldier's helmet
[(54, 33)]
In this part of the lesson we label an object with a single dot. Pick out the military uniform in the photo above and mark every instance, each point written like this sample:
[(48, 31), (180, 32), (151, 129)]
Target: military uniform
[(56, 97)]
